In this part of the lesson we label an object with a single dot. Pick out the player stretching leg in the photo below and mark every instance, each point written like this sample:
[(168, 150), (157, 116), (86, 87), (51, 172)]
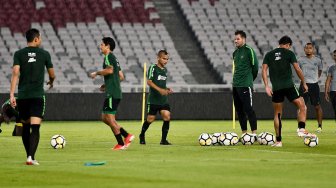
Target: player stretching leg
[(278, 62)]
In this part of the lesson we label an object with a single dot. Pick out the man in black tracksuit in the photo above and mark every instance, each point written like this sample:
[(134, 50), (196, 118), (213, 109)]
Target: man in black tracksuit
[(245, 65)]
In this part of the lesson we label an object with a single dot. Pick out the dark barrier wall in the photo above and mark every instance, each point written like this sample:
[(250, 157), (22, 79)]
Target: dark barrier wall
[(202, 106)]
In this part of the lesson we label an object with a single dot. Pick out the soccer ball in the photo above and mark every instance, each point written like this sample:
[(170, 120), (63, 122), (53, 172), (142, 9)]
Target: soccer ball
[(311, 141), (205, 139), (247, 139), (229, 139), (57, 141), (223, 140), (266, 138), (215, 138), (235, 139)]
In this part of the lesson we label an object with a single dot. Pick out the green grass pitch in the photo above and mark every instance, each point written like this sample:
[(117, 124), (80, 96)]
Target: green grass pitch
[(184, 164)]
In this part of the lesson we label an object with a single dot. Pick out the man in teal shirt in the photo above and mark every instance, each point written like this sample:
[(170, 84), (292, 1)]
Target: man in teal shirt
[(245, 65)]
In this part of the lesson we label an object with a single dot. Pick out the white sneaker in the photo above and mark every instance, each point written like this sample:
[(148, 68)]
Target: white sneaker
[(31, 162), (277, 144), (35, 162), (302, 132), (319, 130), (305, 134)]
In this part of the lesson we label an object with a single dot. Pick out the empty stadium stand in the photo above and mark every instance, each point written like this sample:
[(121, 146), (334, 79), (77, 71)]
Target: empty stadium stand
[(186, 43), (215, 21), (72, 31)]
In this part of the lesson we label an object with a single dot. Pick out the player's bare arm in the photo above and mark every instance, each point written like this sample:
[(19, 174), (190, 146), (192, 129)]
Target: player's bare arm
[(14, 81), (170, 90), (319, 73), (162, 91), (52, 77), (121, 76), (265, 80), (108, 70), (300, 75), (327, 88)]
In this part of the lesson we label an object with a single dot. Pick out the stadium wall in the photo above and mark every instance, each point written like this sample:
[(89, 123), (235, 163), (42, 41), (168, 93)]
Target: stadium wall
[(198, 106)]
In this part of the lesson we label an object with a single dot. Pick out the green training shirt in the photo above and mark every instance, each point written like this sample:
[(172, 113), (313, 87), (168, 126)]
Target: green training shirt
[(32, 62), (159, 77), (279, 62), (245, 64), (112, 81)]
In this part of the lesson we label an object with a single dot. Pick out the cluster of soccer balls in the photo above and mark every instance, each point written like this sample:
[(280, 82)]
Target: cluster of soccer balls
[(57, 141), (231, 139)]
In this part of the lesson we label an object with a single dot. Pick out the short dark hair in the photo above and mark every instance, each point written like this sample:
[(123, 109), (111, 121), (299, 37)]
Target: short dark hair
[(309, 44), (286, 40), (31, 34), (241, 33), (334, 51), (164, 52), (109, 41)]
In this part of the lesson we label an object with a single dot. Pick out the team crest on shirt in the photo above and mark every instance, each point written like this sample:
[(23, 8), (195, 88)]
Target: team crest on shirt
[(277, 56), (160, 77), (31, 56), (242, 57)]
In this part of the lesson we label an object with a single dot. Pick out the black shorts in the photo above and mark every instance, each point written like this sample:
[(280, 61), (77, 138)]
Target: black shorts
[(313, 94), (290, 93), (111, 106), (34, 107), (153, 109)]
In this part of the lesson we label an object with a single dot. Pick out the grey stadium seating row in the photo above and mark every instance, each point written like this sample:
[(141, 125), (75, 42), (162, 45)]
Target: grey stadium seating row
[(74, 44), (72, 31), (214, 23)]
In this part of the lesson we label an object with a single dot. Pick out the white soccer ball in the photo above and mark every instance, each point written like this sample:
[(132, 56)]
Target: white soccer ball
[(215, 138), (224, 140), (235, 138), (205, 139), (266, 138), (229, 139), (247, 139), (311, 141), (57, 141)]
